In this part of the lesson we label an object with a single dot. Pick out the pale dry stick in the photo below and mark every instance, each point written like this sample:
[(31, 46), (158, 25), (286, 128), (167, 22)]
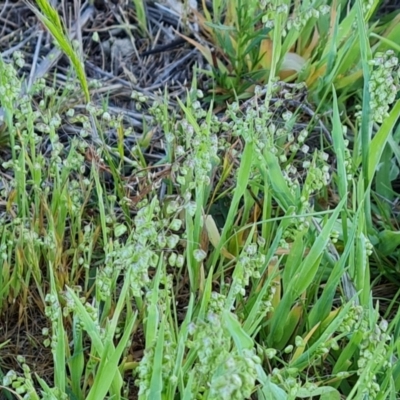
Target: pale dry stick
[(11, 391), (125, 24), (4, 8), (18, 46), (95, 133), (52, 58), (163, 77), (147, 91), (77, 6), (34, 61), (131, 117), (169, 15)]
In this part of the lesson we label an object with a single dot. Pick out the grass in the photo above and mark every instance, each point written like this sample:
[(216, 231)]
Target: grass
[(247, 264)]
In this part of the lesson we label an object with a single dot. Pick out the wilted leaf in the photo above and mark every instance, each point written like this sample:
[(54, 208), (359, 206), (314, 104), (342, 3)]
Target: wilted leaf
[(214, 236)]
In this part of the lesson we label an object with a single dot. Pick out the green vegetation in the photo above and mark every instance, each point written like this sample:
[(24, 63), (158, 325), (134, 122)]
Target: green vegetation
[(246, 261)]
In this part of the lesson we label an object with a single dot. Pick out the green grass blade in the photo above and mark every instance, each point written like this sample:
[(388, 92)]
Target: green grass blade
[(242, 180), (240, 337), (304, 276), (50, 18), (77, 361), (108, 368), (156, 384), (274, 175), (379, 141)]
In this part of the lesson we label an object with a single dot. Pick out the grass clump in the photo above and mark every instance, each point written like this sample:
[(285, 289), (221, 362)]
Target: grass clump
[(317, 43), (243, 262)]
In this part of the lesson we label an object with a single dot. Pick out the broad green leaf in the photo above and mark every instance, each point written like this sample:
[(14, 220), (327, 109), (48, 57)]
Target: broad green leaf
[(325, 393), (77, 361), (388, 241), (293, 260), (270, 390), (108, 368), (338, 143), (93, 332), (274, 175), (378, 143), (346, 355), (240, 337)]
